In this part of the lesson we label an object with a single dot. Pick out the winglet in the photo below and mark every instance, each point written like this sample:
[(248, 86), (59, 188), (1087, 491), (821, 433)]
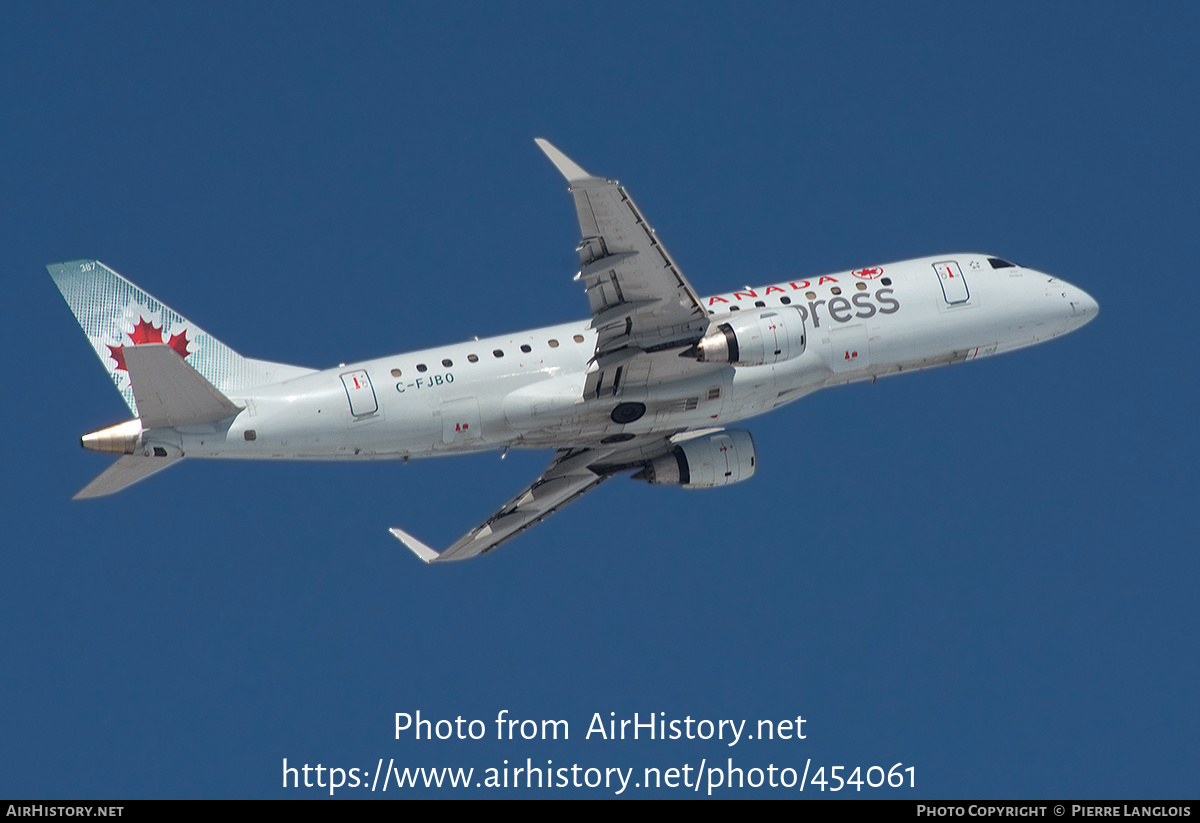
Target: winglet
[(565, 164), (418, 548)]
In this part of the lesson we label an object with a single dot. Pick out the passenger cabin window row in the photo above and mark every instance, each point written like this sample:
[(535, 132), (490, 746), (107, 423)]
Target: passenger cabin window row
[(497, 353)]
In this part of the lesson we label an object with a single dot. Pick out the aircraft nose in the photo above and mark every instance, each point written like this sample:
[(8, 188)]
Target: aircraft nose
[(1065, 306), (1080, 307), (1083, 306), (1091, 307)]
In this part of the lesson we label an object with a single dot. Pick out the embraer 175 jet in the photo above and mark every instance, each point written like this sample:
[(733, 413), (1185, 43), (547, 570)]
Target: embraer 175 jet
[(648, 383)]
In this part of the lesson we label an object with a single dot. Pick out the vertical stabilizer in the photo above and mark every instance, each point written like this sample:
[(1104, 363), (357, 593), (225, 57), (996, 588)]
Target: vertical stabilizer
[(116, 314)]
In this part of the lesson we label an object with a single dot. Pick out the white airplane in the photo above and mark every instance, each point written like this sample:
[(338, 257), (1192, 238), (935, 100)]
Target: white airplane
[(648, 383)]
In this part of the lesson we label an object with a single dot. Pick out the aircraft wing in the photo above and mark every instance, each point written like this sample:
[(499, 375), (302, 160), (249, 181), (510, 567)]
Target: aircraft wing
[(640, 300), (566, 478), (570, 474)]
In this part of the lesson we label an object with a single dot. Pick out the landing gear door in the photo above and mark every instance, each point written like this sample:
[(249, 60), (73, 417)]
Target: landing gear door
[(954, 285), (361, 393)]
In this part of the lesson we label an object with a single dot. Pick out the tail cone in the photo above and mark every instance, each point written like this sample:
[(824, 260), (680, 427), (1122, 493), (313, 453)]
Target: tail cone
[(122, 438)]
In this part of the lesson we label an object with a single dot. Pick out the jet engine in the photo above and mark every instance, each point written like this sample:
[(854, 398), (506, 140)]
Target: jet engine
[(752, 339), (715, 459)]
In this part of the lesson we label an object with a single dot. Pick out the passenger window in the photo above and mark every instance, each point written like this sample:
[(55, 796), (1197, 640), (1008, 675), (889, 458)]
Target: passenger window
[(785, 300), (554, 344), (887, 281), (811, 295), (447, 362), (472, 358), (860, 286), (836, 290), (395, 372), (578, 338), (498, 353), (526, 349), (760, 304), (421, 367)]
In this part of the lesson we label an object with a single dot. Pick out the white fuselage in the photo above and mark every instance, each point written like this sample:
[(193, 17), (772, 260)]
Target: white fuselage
[(464, 397)]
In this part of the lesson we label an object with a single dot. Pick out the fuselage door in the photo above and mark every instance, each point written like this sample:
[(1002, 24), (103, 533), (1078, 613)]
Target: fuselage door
[(954, 285), (361, 393)]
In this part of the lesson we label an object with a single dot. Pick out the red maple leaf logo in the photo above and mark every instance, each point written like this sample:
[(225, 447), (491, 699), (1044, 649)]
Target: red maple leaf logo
[(179, 342), (146, 332)]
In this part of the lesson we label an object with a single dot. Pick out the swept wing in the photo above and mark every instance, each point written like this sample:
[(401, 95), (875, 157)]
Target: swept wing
[(644, 311), (567, 477), (570, 474), (641, 303)]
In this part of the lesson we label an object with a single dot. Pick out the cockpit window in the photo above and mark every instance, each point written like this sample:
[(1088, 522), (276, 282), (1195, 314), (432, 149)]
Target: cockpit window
[(997, 263)]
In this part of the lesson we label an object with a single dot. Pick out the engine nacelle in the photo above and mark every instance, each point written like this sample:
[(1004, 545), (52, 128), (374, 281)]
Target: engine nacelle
[(715, 459), (754, 338)]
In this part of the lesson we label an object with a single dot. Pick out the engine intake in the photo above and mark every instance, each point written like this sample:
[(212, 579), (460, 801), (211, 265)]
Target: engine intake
[(715, 459)]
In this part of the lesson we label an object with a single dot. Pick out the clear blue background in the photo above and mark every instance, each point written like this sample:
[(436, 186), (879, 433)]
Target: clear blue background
[(986, 571)]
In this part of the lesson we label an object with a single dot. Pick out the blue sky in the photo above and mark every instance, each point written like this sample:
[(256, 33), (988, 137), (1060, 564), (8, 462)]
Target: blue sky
[(986, 571)]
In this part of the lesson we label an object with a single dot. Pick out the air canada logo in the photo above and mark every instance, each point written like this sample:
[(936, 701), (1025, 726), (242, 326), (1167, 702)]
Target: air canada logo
[(868, 274), (146, 332)]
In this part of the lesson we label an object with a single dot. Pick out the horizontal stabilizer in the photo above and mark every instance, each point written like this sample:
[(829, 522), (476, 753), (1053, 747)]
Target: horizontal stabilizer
[(125, 472), (169, 392)]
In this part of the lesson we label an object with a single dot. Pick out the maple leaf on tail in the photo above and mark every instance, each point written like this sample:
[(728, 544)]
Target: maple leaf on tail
[(179, 342), (118, 353), (146, 332)]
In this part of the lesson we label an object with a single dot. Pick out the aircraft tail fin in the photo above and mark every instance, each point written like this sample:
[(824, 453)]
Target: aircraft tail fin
[(116, 315), (169, 394), (128, 469)]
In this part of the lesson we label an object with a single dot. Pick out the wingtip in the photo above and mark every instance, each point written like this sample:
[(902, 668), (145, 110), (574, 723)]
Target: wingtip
[(566, 166), (415, 546)]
